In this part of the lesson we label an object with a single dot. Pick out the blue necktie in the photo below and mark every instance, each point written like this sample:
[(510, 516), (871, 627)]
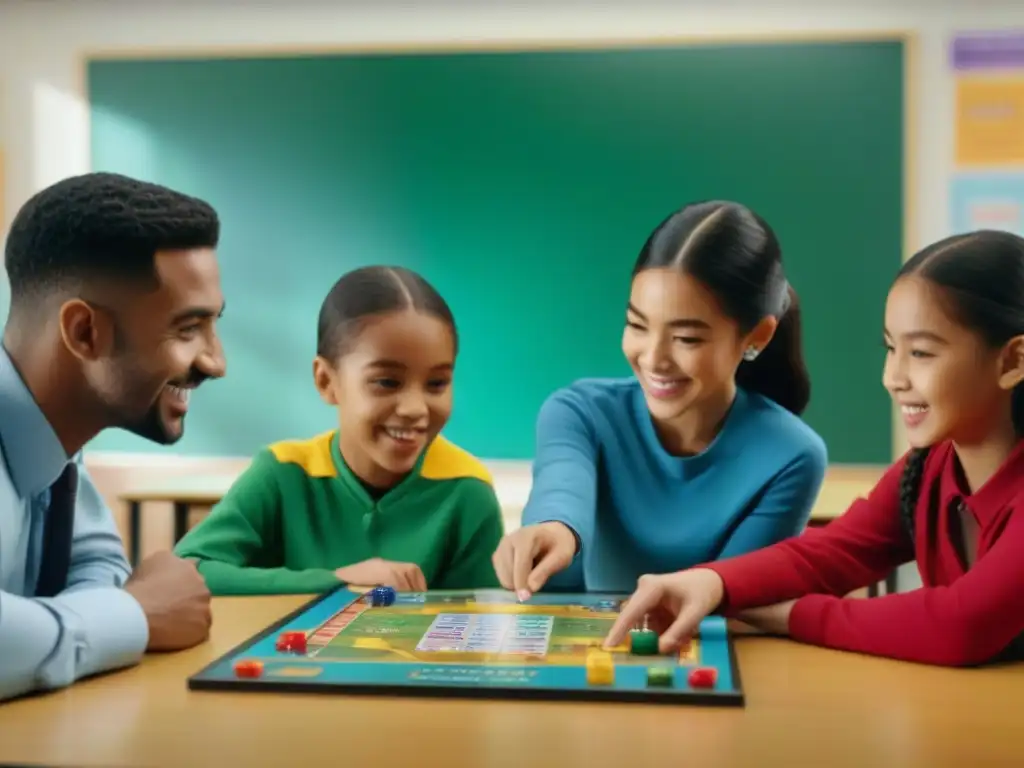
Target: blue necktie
[(57, 533)]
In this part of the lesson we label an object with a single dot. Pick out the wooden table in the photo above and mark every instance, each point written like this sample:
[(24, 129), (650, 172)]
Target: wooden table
[(805, 707)]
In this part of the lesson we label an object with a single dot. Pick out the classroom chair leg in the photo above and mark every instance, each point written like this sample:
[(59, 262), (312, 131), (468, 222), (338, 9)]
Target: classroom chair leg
[(135, 534), (181, 510)]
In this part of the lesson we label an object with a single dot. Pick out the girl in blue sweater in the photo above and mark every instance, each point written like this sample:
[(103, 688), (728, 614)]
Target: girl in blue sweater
[(702, 454)]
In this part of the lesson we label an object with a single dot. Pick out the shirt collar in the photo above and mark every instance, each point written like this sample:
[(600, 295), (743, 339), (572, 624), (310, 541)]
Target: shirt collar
[(995, 494), (355, 485), (31, 449)]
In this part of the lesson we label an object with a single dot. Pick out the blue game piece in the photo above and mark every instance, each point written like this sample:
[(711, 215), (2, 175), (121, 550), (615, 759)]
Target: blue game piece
[(382, 596)]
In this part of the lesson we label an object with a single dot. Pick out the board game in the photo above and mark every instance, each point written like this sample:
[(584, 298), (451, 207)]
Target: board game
[(475, 643)]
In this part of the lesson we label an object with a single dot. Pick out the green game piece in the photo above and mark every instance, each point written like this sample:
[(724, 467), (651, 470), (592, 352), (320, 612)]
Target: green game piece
[(660, 677), (643, 642)]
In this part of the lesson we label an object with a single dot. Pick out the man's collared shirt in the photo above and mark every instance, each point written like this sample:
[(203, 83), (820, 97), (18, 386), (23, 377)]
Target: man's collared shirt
[(93, 625)]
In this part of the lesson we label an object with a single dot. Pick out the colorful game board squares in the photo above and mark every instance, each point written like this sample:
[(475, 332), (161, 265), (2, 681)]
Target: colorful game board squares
[(558, 645), (488, 633)]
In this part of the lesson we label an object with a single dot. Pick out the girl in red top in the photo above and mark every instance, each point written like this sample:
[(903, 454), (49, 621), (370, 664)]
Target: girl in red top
[(954, 363)]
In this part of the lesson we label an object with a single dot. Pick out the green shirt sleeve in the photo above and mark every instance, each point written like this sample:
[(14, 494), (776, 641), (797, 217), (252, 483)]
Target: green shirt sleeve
[(237, 548), (480, 528)]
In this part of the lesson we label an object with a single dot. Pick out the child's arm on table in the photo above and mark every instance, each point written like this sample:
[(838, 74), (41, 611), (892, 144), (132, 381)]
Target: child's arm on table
[(237, 547)]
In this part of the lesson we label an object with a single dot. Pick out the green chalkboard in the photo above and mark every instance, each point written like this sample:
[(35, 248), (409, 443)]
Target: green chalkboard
[(522, 184)]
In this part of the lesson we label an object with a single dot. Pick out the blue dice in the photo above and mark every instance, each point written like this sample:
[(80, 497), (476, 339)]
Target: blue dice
[(382, 596)]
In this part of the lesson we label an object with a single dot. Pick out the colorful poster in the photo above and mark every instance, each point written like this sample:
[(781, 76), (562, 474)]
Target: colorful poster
[(988, 51), (989, 111), (990, 121), (987, 201)]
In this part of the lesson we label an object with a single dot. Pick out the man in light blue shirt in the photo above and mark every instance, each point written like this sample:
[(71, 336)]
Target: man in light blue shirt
[(115, 292)]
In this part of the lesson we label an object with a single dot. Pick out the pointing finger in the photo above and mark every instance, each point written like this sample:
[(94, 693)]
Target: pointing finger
[(548, 565), (522, 563), (642, 602)]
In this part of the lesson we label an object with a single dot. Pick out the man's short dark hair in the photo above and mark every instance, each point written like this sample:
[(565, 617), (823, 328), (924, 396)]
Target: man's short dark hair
[(100, 225)]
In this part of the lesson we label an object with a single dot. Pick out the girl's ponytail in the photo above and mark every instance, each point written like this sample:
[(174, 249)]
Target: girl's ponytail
[(910, 487)]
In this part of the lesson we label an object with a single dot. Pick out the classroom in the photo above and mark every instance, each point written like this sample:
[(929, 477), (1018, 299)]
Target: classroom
[(317, 131)]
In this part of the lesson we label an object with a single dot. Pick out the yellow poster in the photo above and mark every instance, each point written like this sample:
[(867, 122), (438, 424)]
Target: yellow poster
[(990, 121)]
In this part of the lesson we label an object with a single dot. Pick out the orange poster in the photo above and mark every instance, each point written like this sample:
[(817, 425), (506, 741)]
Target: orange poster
[(990, 121)]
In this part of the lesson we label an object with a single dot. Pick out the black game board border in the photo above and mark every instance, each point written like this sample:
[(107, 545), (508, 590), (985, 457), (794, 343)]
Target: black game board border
[(197, 681)]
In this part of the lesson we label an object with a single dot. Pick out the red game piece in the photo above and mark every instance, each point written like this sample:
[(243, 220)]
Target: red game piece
[(249, 668), (291, 642), (703, 677)]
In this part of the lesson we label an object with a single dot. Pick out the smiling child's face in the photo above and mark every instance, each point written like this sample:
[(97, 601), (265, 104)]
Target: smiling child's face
[(393, 391), (947, 382)]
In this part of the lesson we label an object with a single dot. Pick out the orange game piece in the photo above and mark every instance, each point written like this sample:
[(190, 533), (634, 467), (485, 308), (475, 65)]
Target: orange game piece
[(249, 668)]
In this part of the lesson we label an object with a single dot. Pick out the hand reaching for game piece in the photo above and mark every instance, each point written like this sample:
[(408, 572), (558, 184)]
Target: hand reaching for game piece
[(674, 604), (404, 577), (175, 600), (529, 556)]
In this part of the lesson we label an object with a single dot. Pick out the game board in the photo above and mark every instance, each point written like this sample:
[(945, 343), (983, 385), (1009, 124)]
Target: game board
[(474, 643)]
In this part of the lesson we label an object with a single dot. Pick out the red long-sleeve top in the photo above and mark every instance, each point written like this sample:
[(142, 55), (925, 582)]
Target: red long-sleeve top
[(963, 615)]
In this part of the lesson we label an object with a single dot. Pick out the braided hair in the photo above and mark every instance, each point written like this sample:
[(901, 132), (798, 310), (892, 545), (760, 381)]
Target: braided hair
[(910, 487)]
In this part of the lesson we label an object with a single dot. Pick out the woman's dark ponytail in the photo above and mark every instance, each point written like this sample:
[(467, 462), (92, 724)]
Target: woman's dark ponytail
[(779, 371)]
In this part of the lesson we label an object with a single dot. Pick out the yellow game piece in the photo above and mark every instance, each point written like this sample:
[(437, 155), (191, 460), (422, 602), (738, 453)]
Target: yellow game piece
[(600, 668)]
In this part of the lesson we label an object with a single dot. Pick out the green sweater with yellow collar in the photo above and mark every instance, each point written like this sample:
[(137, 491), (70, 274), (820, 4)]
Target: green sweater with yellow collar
[(298, 513)]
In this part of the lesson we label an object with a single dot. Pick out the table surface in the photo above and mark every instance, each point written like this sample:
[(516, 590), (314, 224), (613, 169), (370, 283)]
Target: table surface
[(843, 484), (805, 707)]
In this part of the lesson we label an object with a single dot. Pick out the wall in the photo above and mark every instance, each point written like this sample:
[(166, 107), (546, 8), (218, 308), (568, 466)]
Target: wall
[(43, 119), (339, 160)]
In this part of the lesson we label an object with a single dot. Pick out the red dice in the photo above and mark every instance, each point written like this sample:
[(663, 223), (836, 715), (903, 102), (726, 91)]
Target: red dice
[(292, 642), (703, 677)]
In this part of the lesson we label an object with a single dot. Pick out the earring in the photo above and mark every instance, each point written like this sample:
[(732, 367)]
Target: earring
[(750, 354)]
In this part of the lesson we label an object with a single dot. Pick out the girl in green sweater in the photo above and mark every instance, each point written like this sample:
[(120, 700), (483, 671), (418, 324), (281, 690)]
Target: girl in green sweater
[(384, 499)]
